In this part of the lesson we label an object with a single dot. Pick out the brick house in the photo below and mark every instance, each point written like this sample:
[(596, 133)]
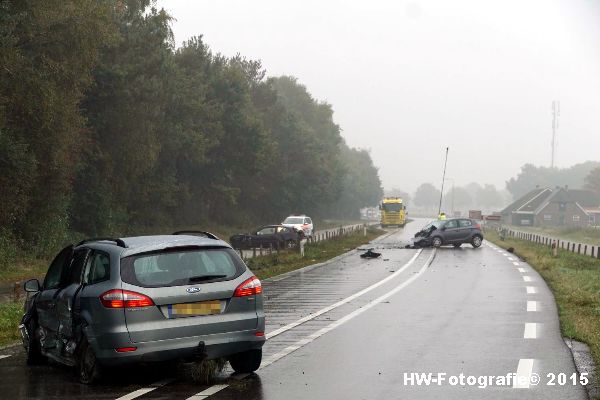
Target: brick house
[(555, 207)]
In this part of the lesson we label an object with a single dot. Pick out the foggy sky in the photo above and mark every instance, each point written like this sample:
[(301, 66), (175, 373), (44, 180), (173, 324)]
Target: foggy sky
[(408, 78)]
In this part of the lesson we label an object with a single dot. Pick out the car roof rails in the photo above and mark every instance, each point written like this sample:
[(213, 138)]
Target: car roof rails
[(119, 242), (201, 233)]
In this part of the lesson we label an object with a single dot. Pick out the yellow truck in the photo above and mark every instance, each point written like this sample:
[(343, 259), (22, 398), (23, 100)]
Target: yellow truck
[(393, 212)]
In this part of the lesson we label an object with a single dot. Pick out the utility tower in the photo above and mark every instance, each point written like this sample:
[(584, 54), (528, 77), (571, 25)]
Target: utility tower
[(555, 116)]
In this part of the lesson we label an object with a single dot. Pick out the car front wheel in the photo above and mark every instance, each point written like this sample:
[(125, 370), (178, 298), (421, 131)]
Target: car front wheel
[(32, 346), (247, 361), (436, 241), (476, 241)]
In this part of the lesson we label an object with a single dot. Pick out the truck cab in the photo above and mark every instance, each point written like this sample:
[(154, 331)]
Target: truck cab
[(393, 212)]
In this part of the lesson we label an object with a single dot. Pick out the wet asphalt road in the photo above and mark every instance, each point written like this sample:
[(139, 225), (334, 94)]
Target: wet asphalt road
[(357, 329)]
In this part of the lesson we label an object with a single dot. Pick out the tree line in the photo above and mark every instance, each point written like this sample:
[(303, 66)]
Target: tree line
[(473, 195), (106, 127)]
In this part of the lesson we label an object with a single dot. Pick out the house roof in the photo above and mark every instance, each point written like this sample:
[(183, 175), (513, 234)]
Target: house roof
[(585, 198), (535, 196)]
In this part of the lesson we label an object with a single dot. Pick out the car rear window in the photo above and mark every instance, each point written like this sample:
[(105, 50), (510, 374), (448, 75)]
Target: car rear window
[(176, 268), (294, 220), (464, 223)]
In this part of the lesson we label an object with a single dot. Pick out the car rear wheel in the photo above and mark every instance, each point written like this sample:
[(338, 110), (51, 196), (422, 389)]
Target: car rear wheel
[(88, 369), (436, 241), (248, 361), (476, 241)]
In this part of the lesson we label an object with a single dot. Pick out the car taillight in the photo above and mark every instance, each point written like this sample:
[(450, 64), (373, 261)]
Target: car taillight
[(477, 226), (249, 287), (118, 298)]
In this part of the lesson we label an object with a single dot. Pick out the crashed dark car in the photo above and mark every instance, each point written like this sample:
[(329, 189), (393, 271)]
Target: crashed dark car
[(277, 236), (453, 232)]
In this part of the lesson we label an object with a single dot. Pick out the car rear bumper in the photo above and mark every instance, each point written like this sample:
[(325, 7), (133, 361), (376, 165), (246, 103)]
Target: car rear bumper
[(189, 348)]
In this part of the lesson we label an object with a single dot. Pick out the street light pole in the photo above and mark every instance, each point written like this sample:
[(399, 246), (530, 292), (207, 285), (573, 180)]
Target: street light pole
[(443, 179)]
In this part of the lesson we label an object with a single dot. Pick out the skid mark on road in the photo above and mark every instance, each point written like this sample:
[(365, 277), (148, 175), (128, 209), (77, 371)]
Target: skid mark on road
[(348, 299), (348, 317)]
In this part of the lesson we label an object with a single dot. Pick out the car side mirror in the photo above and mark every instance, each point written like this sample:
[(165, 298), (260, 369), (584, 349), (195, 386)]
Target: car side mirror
[(32, 286)]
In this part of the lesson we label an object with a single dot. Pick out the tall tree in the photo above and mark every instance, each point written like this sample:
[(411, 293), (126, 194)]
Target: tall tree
[(592, 180), (48, 51), (427, 196)]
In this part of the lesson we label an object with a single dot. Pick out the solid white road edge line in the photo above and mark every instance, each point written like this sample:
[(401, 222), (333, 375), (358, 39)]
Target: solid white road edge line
[(346, 318), (143, 391), (530, 330), (208, 392), (348, 299), (524, 371), (532, 306)]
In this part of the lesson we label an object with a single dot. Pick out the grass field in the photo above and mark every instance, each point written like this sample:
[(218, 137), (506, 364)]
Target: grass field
[(575, 281)]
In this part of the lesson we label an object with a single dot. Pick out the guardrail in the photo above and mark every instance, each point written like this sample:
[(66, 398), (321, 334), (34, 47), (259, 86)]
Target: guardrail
[(574, 247)]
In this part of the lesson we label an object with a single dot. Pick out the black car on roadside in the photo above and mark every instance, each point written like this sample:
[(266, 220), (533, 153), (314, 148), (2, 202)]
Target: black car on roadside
[(277, 236), (449, 232)]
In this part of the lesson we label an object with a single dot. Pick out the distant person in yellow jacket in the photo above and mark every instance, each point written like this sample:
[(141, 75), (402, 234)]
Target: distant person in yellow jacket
[(442, 216)]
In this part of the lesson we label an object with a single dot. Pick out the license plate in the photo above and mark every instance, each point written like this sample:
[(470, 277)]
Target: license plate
[(194, 309)]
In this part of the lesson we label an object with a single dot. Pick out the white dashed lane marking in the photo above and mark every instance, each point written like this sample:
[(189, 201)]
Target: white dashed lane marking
[(143, 391), (532, 306), (524, 371), (530, 331), (208, 392), (522, 270), (527, 278), (516, 263), (531, 290)]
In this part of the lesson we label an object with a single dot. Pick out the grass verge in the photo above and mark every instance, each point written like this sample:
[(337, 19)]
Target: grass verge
[(10, 316), (268, 266), (575, 281)]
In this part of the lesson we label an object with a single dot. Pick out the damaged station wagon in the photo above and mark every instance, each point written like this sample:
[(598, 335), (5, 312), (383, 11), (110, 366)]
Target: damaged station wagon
[(114, 302)]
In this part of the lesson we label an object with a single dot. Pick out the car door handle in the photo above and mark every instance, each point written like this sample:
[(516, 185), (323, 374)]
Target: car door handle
[(51, 304)]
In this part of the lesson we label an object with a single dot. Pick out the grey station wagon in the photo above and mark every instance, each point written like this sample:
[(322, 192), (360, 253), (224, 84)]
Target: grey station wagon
[(111, 302)]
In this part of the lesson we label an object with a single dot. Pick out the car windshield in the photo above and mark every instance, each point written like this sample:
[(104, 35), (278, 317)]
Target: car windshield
[(432, 224), (294, 220), (392, 207), (175, 268)]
